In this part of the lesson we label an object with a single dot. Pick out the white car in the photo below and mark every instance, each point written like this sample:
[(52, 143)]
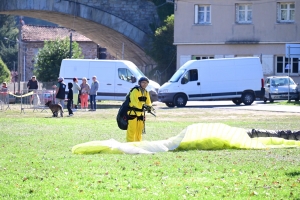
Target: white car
[(279, 87)]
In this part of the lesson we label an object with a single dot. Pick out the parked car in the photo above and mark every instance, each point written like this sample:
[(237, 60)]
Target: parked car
[(12, 99), (278, 88), (48, 95)]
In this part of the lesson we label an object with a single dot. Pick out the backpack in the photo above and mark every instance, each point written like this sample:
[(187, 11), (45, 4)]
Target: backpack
[(122, 116)]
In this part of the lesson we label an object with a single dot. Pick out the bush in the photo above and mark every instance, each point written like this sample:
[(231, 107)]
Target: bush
[(4, 72)]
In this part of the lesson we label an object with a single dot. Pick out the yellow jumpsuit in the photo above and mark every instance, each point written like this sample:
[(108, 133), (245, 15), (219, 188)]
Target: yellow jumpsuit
[(135, 122)]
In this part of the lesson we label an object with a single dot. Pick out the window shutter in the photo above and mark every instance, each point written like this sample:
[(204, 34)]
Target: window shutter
[(196, 14), (278, 12), (237, 13)]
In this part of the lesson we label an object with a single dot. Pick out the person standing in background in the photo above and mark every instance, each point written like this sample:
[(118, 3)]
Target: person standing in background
[(60, 92), (31, 86), (85, 90), (4, 93), (4, 87), (70, 99), (93, 93), (76, 89)]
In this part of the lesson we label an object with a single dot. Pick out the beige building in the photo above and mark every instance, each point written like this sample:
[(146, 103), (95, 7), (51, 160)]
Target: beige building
[(220, 29)]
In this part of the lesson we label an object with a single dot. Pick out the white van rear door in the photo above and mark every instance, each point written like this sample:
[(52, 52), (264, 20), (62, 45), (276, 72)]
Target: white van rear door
[(124, 82), (105, 75), (190, 84)]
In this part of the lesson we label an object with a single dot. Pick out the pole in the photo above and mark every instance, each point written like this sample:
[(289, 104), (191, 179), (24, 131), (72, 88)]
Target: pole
[(71, 45), (123, 51), (289, 66), (14, 78), (19, 57), (24, 66)]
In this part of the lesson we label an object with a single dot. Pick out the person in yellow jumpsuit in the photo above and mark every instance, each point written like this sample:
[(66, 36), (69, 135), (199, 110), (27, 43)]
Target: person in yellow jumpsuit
[(138, 97)]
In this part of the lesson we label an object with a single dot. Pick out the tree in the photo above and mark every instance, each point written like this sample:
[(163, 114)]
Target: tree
[(4, 72), (163, 10), (162, 50), (8, 47), (49, 58)]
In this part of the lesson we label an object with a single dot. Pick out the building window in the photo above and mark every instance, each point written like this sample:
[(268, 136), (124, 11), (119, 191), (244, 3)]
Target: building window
[(202, 14), (202, 57), (286, 12), (243, 13), (283, 66)]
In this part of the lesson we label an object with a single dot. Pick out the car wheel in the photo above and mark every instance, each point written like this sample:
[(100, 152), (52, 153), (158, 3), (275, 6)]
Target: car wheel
[(270, 98), (237, 101), (297, 99), (180, 100), (265, 99), (248, 98), (170, 105)]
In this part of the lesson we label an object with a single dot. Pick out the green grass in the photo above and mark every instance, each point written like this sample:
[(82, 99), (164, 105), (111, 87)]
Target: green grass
[(36, 160), (288, 103)]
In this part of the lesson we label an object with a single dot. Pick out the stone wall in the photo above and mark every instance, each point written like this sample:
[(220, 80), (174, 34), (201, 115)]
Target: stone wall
[(89, 51), (138, 12), (110, 23)]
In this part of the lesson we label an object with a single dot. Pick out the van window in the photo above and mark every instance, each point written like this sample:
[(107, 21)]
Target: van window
[(193, 75), (177, 75), (125, 74)]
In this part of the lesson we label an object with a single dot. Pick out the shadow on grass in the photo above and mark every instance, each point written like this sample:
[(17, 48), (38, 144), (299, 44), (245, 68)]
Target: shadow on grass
[(292, 174)]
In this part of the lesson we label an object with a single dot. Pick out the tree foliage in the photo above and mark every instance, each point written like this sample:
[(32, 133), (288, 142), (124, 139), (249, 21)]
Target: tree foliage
[(163, 10), (8, 47), (4, 72), (162, 50), (50, 56)]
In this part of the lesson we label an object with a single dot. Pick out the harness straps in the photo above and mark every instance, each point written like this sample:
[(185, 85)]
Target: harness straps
[(135, 109)]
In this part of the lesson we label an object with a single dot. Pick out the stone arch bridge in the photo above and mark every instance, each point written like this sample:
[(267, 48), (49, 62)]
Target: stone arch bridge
[(110, 23)]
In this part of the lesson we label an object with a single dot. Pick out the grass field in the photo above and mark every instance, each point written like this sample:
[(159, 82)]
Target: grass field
[(37, 163)]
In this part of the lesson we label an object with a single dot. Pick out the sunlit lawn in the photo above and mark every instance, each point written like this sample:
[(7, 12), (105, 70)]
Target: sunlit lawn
[(36, 160)]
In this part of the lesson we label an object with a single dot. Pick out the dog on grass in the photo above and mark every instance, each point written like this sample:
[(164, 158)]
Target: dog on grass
[(55, 108)]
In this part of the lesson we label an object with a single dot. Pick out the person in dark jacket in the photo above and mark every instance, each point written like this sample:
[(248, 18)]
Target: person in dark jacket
[(32, 85), (70, 99), (60, 92)]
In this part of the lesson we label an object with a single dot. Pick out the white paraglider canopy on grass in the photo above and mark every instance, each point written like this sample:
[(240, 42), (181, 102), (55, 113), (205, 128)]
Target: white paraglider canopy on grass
[(202, 136)]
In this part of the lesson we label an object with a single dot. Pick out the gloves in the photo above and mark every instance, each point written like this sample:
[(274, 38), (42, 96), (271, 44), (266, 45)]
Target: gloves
[(148, 108)]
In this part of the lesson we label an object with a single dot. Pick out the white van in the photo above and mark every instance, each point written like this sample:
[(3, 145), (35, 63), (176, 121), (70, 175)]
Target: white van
[(237, 79), (116, 77)]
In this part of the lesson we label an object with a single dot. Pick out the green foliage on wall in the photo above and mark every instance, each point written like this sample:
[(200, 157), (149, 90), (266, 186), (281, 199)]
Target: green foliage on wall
[(163, 10), (162, 50)]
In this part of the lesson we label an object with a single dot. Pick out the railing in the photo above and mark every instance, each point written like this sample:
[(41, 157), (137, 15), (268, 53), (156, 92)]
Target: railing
[(4, 101), (34, 99)]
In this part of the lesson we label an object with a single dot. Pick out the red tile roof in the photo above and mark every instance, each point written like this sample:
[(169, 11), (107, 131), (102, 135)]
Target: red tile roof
[(42, 33)]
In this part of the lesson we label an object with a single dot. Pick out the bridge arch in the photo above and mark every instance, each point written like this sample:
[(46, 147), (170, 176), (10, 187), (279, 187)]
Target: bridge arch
[(101, 21)]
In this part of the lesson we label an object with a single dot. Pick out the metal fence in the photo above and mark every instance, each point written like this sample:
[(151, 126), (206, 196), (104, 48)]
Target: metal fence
[(35, 99), (4, 101)]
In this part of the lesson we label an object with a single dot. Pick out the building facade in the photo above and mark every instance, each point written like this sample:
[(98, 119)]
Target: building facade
[(207, 29)]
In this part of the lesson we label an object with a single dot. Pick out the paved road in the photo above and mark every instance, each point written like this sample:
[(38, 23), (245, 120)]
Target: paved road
[(257, 105)]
